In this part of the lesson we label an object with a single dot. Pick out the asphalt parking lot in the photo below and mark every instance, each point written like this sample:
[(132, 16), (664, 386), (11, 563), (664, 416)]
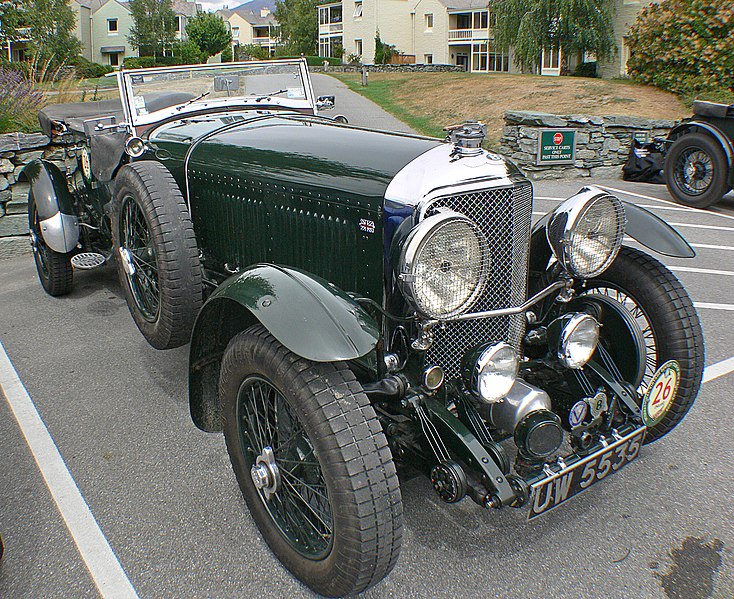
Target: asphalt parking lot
[(151, 507), (171, 519)]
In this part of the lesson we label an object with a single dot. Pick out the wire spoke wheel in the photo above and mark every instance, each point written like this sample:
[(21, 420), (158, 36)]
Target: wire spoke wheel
[(295, 493), (54, 268), (312, 463), (694, 171), (136, 247)]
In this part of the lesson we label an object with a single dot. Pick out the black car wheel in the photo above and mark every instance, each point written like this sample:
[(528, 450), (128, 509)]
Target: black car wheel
[(696, 170), (312, 463), (664, 316), (156, 254), (54, 268)]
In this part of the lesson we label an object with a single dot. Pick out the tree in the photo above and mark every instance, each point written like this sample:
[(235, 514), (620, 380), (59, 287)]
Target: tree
[(684, 46), (299, 25), (574, 26), (52, 40), (188, 52), (154, 26), (209, 32), (383, 52)]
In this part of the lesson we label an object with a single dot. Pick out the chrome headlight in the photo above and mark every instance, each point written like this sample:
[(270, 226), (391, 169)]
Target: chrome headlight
[(586, 232), (491, 373), (443, 265), (575, 337)]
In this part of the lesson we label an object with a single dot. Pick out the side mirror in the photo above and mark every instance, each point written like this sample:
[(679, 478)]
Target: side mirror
[(325, 102)]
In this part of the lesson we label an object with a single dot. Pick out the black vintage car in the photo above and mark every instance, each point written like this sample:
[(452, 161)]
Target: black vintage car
[(356, 298), (699, 165)]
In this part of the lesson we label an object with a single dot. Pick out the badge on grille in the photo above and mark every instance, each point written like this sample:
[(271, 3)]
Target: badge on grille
[(367, 226)]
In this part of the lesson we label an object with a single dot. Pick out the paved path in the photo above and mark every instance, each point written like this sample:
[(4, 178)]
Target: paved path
[(358, 109)]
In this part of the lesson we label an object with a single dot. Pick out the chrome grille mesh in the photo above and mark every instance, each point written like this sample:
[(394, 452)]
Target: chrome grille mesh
[(503, 215)]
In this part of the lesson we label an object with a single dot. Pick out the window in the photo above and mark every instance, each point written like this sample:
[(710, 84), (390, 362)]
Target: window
[(358, 47), (428, 59), (177, 24), (114, 60), (235, 32), (112, 25), (493, 20), (479, 57), (480, 20), (358, 11), (463, 21), (336, 14), (323, 16), (429, 21)]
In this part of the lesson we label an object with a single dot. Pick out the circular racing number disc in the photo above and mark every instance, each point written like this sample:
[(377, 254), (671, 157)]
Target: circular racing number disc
[(660, 393)]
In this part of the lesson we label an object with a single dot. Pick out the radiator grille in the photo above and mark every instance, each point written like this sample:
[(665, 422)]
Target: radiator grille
[(503, 215)]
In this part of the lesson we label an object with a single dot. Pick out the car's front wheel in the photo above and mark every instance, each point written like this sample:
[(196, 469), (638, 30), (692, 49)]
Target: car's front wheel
[(696, 170), (157, 256), (313, 464)]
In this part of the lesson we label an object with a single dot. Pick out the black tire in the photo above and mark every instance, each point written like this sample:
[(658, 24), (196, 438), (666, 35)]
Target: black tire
[(353, 466), (152, 231), (696, 170), (54, 269), (637, 280)]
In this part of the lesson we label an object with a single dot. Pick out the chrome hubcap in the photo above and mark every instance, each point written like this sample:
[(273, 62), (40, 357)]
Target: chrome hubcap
[(265, 474)]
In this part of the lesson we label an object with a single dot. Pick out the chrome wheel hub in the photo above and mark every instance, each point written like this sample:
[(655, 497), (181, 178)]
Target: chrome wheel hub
[(127, 262), (265, 474)]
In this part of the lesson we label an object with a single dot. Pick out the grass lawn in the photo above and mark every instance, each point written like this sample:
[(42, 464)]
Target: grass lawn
[(428, 102)]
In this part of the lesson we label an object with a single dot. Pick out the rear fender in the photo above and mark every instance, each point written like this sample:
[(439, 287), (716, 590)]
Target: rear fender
[(713, 131), (54, 204), (642, 225), (309, 316)]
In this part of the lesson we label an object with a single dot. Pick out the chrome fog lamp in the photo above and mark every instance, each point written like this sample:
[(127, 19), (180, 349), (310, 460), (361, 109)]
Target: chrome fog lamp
[(586, 231), (574, 338), (134, 147), (443, 265), (491, 374), (539, 435)]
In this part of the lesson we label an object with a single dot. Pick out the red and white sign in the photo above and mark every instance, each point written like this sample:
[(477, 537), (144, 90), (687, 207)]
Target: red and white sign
[(558, 138)]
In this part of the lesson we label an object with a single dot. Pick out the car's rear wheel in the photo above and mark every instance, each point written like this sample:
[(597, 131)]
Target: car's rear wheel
[(666, 328), (157, 255), (696, 170), (54, 268), (313, 464)]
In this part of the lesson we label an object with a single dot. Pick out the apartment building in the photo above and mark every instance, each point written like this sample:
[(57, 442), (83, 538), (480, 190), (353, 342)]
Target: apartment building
[(253, 23), (457, 32)]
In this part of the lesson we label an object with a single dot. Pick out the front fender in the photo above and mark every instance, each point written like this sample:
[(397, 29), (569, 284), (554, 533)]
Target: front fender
[(308, 315), (54, 204), (642, 225)]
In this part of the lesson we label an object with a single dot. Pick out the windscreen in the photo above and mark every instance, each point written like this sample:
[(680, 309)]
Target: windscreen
[(160, 89)]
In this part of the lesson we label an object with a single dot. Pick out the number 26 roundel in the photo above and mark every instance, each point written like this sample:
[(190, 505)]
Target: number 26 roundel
[(660, 393)]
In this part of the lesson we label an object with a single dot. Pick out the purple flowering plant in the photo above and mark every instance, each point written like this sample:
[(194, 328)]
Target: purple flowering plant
[(19, 102)]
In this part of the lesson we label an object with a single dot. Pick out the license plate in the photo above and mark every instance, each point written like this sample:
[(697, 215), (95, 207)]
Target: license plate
[(558, 488)]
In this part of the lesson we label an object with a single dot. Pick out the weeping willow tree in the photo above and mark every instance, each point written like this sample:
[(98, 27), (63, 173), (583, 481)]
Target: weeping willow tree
[(574, 26)]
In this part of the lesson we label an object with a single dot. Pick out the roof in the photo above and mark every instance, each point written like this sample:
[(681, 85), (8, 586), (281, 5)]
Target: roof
[(95, 5), (465, 4), (184, 7), (250, 12)]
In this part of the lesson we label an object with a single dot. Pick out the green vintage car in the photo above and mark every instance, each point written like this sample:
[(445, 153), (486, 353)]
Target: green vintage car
[(355, 299)]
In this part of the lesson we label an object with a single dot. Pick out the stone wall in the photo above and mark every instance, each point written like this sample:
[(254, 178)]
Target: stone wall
[(602, 142), (17, 150), (389, 68)]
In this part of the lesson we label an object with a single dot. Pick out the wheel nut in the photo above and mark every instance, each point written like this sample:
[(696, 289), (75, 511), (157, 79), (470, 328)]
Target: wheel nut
[(259, 474)]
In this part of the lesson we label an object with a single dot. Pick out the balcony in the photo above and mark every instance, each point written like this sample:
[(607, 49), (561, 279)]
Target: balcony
[(331, 28), (263, 41), (468, 35)]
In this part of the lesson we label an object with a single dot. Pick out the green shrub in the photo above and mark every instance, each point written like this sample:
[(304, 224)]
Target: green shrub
[(146, 62), (684, 46), (253, 52), (90, 70), (312, 61), (585, 69)]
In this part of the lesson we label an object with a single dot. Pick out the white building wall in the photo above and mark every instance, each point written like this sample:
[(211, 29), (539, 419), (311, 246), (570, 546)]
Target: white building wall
[(101, 37)]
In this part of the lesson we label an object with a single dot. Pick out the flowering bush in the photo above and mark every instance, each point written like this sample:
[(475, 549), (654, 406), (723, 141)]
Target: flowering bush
[(19, 102), (684, 46)]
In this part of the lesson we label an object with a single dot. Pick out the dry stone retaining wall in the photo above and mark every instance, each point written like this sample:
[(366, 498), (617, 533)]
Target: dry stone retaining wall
[(602, 142), (17, 150)]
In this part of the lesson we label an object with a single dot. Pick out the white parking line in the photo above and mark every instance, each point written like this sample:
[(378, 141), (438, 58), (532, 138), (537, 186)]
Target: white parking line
[(718, 370), (668, 202), (94, 548), (702, 271), (712, 227), (709, 306), (709, 246)]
